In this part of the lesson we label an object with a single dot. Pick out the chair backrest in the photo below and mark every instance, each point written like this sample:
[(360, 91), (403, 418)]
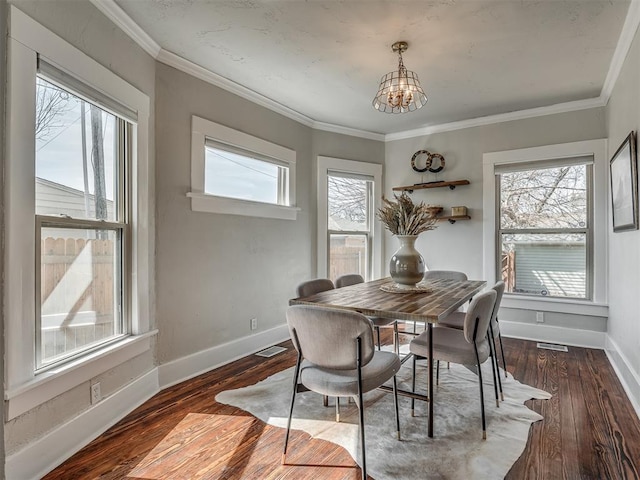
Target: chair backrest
[(327, 337), (499, 289), (445, 274), (349, 279), (481, 309), (311, 287)]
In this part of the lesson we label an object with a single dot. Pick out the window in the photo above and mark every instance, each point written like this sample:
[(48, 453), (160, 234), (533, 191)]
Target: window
[(544, 228), (349, 222), (81, 222), (70, 224), (239, 174), (349, 240), (236, 173)]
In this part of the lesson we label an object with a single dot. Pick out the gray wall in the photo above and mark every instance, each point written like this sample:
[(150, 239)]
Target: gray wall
[(3, 82), (459, 246), (623, 115), (82, 25), (215, 272)]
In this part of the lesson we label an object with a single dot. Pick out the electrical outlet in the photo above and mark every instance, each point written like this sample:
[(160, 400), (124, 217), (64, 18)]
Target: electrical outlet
[(540, 317), (96, 394), (254, 323)]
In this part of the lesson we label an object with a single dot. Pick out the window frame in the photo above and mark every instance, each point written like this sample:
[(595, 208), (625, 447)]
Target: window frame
[(202, 131), (120, 224), (587, 230), (597, 304), (24, 388), (326, 165)]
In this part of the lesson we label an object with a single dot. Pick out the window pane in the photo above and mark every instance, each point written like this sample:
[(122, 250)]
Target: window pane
[(76, 156), (552, 265), (348, 204), (347, 254), (79, 284), (232, 175), (544, 198)]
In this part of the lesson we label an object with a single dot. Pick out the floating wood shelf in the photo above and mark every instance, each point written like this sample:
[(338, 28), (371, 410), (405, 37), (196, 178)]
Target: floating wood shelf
[(455, 218), (419, 186)]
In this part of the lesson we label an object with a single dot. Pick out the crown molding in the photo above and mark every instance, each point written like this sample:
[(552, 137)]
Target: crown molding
[(354, 132), (631, 23), (121, 19), (499, 118), (118, 16)]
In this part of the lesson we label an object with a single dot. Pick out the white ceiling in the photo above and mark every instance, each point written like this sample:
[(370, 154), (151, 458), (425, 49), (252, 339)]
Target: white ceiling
[(324, 58)]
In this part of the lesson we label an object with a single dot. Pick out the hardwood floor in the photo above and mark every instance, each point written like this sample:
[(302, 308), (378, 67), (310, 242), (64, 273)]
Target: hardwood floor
[(589, 431)]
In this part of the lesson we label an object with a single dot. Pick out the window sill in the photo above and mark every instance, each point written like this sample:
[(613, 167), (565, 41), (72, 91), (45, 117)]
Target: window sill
[(576, 307), (52, 383), (201, 202)]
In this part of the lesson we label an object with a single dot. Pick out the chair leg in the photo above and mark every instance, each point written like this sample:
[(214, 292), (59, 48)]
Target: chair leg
[(494, 367), (504, 362), (413, 386), (361, 408), (378, 336), (337, 409), (325, 400), (293, 399), (437, 372), (396, 338), (395, 402), (484, 424), (497, 363)]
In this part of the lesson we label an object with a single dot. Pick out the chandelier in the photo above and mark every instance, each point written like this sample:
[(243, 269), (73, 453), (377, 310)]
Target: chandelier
[(399, 91)]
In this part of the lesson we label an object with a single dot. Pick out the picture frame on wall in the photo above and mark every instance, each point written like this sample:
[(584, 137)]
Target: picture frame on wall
[(624, 186)]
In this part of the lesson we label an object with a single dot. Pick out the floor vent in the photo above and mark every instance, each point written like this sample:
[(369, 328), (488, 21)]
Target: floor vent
[(271, 351), (553, 346)]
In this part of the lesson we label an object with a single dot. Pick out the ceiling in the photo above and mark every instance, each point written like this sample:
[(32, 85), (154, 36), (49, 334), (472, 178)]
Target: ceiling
[(324, 58)]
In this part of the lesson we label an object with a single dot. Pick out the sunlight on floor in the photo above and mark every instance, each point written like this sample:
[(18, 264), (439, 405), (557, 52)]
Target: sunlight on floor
[(192, 449)]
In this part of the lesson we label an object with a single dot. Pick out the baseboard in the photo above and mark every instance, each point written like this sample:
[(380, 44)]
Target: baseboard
[(551, 334), (49, 451), (201, 362), (628, 377)]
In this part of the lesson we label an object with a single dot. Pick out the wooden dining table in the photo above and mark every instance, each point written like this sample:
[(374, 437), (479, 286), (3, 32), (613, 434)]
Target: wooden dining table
[(442, 298)]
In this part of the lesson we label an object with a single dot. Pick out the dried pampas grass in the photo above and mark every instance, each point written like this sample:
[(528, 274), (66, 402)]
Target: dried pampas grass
[(403, 217)]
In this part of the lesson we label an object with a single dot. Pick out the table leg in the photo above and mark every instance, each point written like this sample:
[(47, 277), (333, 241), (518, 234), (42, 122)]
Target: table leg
[(431, 393)]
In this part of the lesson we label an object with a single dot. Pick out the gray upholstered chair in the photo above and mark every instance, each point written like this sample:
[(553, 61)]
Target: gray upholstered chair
[(336, 357), (353, 279), (469, 346), (306, 289), (445, 274), (311, 287), (456, 320)]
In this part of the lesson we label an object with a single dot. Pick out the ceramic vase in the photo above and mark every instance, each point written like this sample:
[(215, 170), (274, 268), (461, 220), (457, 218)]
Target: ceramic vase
[(407, 265)]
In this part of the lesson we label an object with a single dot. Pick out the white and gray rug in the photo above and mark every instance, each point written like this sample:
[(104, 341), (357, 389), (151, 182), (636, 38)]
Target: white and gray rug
[(457, 450)]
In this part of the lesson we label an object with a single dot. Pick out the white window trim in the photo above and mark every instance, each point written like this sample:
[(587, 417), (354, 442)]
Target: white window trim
[(24, 389), (201, 130), (597, 306), (327, 164)]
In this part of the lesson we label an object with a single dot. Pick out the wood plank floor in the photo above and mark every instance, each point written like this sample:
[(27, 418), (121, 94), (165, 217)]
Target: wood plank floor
[(589, 431)]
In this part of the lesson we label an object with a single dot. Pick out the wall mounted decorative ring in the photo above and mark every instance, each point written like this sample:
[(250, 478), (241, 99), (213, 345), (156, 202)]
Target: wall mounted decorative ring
[(427, 162), (436, 156)]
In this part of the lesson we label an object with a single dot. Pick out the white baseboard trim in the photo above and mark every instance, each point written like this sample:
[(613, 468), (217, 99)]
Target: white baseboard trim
[(201, 362), (628, 377), (49, 451), (550, 334)]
